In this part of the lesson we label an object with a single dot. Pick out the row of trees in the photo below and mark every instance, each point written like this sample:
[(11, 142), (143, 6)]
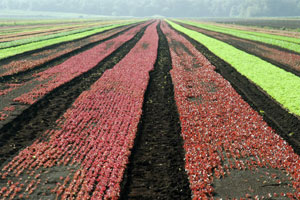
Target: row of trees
[(171, 8)]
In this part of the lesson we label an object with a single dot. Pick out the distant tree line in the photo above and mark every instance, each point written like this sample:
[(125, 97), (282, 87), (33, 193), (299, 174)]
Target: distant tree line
[(170, 8)]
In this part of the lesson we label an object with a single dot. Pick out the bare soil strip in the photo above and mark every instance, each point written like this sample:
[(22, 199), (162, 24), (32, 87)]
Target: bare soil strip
[(285, 124), (156, 169), (33, 121)]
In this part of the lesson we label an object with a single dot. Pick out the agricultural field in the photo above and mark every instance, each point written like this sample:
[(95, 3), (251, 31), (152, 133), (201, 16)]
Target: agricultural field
[(291, 24), (148, 109)]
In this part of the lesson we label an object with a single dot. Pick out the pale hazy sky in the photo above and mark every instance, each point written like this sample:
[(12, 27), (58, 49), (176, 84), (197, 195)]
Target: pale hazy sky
[(170, 8)]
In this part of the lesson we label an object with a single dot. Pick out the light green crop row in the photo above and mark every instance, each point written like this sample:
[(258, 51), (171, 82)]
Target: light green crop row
[(277, 40), (21, 29), (4, 53), (13, 31), (44, 37), (51, 36), (279, 84)]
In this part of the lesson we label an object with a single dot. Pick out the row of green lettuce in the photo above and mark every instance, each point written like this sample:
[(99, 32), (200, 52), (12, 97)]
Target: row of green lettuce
[(8, 52), (28, 40), (277, 40), (279, 84)]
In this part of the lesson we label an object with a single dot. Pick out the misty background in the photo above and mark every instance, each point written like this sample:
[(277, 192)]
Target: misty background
[(168, 8)]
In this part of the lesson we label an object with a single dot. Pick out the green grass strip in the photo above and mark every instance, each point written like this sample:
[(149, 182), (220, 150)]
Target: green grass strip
[(8, 52), (277, 40), (279, 84)]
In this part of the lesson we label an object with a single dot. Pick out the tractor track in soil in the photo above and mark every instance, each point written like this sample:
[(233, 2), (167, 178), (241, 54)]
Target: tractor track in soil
[(283, 122), (246, 46), (156, 165), (42, 115), (24, 75)]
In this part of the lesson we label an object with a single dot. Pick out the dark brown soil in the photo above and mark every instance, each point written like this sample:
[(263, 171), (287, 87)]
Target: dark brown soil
[(156, 169), (37, 118), (178, 45), (272, 54), (258, 182), (284, 123)]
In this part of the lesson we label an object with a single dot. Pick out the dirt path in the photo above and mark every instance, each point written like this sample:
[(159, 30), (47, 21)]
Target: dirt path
[(156, 169)]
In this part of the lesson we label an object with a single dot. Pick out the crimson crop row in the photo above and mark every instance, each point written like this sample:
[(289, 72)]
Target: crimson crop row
[(274, 81), (28, 47)]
